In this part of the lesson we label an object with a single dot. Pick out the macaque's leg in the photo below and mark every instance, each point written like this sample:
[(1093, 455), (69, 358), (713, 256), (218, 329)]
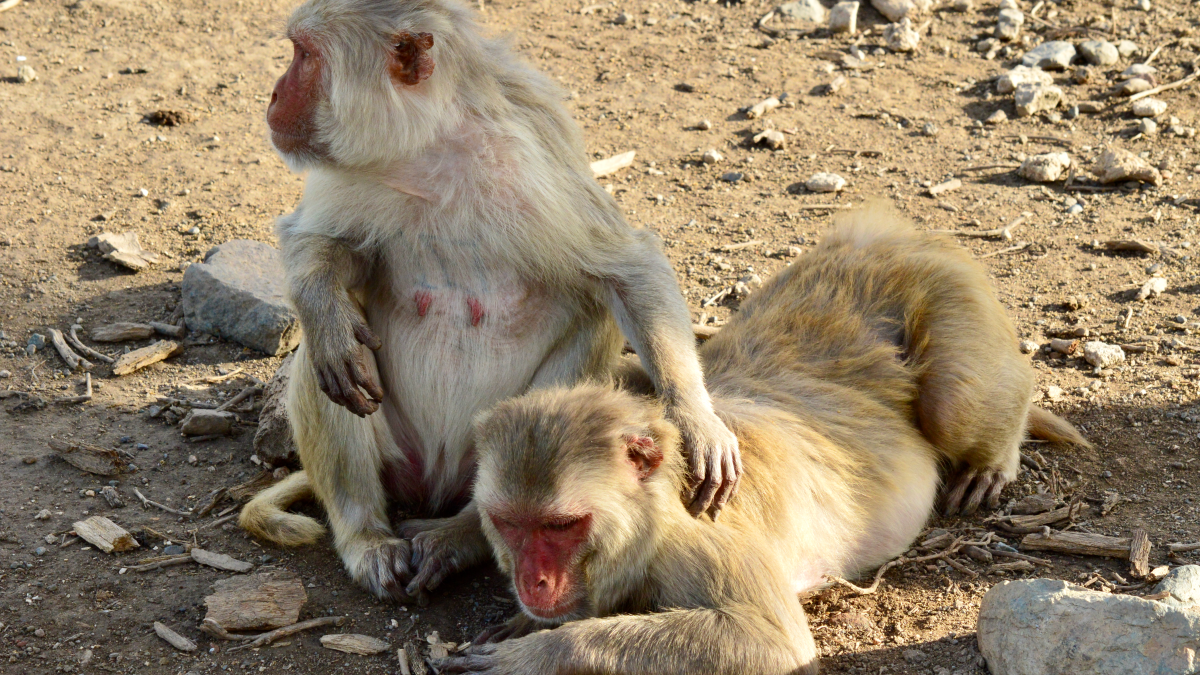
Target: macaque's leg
[(677, 642), (443, 546), (342, 456)]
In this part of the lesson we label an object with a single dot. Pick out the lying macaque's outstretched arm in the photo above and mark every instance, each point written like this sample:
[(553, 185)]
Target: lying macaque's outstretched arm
[(730, 641)]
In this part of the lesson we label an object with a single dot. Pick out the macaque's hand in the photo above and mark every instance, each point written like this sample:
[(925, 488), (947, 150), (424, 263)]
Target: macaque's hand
[(518, 626), (340, 364), (714, 460), (507, 658)]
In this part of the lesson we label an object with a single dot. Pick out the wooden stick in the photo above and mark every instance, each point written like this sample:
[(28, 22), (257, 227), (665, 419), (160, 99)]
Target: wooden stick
[(174, 639), (990, 167), (1021, 246), (269, 637), (74, 340), (1139, 554), (950, 550), (214, 379), (150, 502), (1153, 55), (78, 399), (159, 564), (1078, 543), (168, 329), (1183, 548), (1161, 88), (1021, 556), (73, 360), (729, 248), (9, 4), (824, 207), (242, 396), (219, 521), (140, 358)]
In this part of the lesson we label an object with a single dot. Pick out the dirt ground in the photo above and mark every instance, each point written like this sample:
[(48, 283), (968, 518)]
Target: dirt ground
[(78, 156)]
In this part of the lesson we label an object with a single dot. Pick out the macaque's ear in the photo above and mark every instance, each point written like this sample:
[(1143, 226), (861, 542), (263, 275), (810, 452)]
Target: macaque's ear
[(410, 62), (643, 455)]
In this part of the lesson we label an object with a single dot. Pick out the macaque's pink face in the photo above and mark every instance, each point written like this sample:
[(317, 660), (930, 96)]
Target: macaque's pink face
[(548, 573), (292, 112)]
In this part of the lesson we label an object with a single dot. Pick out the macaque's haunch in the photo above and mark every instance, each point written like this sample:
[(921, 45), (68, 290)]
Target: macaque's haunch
[(451, 250), (851, 380)]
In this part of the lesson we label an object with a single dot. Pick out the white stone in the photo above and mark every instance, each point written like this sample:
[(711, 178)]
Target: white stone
[(1045, 168), (1183, 583), (1028, 346), (1054, 55), (894, 10), (1102, 354), (843, 18), (1152, 288), (1099, 52), (1149, 107), (1008, 82), (1127, 48), (1009, 24), (1136, 85), (901, 36), (825, 182), (998, 117), (804, 10), (712, 156), (1147, 126), (1050, 627), (1117, 165), (1032, 99), (1135, 70), (25, 75)]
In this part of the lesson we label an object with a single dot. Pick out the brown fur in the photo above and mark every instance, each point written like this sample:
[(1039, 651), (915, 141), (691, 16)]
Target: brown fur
[(451, 250), (850, 380)]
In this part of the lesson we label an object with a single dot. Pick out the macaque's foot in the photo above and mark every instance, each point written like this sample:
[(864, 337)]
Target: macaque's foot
[(518, 626), (969, 487), (381, 567), (342, 371), (441, 547)]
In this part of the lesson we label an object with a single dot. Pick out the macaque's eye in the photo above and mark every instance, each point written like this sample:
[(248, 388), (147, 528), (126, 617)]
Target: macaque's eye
[(563, 525)]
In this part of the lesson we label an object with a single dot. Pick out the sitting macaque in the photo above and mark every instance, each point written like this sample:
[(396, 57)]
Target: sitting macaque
[(451, 249), (852, 379)]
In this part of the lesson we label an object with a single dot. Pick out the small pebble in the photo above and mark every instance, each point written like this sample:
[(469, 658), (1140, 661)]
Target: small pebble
[(1148, 127), (41, 550), (998, 117), (704, 125), (26, 74), (825, 182), (732, 176), (712, 156)]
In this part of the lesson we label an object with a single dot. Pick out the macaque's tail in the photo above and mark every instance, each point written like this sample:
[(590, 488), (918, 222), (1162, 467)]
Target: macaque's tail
[(266, 516), (1047, 426)]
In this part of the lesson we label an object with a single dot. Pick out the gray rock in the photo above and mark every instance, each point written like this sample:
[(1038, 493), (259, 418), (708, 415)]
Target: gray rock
[(804, 10), (1008, 82), (207, 422), (1127, 48), (1049, 627), (1183, 583), (896, 10), (843, 18), (1032, 99), (37, 340), (1099, 52), (1102, 354), (273, 441), (901, 37), (1009, 24), (238, 292), (1054, 55)]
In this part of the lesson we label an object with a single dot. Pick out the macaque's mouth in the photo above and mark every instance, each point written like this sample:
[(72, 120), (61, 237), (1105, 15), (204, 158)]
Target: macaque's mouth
[(560, 611)]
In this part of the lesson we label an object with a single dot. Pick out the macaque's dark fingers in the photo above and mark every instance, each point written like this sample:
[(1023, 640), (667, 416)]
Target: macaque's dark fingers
[(363, 379), (489, 634), (983, 483), (993, 494), (958, 489), (726, 489), (704, 497), (430, 576), (488, 649), (355, 401), (366, 336)]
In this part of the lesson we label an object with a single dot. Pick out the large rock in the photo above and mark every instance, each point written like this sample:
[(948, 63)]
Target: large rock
[(1049, 627), (1008, 82), (804, 10), (1053, 55), (1116, 164), (895, 10), (1183, 583), (238, 293), (273, 442), (1099, 52), (1031, 99)]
